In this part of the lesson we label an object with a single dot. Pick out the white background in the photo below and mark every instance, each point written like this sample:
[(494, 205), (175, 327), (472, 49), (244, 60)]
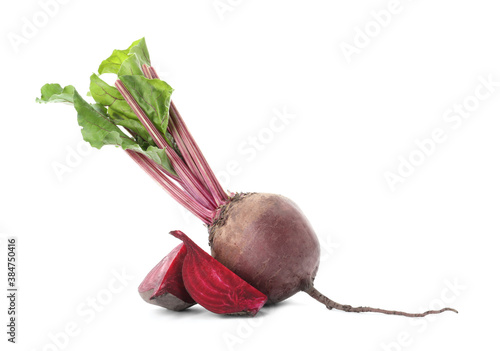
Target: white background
[(353, 121)]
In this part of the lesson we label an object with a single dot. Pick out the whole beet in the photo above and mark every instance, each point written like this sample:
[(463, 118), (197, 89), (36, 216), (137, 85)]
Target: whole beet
[(266, 240)]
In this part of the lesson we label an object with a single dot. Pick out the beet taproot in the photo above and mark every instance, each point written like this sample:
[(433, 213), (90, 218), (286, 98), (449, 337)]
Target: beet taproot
[(266, 240), (163, 286), (214, 286)]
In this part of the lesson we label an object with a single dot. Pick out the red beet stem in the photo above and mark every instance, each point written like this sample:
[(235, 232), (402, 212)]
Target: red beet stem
[(150, 73), (213, 184), (143, 118), (347, 308), (173, 190), (173, 129), (199, 164), (147, 71), (191, 184), (194, 175)]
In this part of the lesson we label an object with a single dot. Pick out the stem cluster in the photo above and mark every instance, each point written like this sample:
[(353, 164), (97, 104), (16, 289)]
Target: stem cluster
[(195, 186)]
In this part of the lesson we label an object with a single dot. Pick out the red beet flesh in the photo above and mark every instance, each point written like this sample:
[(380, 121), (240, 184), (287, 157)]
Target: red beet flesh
[(163, 286), (214, 286)]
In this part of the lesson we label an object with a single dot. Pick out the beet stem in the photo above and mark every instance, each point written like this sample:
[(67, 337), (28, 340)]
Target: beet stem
[(172, 128), (150, 73), (190, 183), (347, 308), (180, 196), (200, 164), (211, 180)]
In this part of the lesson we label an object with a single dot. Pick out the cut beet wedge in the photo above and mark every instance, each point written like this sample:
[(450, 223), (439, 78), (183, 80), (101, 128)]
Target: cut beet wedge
[(214, 286), (163, 286)]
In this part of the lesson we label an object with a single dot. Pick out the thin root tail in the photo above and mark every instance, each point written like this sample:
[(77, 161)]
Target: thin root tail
[(347, 308)]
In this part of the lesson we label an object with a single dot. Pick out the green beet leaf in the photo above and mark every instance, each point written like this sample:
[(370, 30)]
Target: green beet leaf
[(55, 93), (97, 127), (131, 66), (108, 95), (113, 63), (153, 96), (119, 111)]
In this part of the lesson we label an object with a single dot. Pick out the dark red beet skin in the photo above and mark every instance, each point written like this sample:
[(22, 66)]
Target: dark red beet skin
[(214, 286), (163, 286), (266, 240)]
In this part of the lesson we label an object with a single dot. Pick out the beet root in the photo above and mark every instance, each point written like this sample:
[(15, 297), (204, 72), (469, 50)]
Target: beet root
[(266, 240), (348, 308), (163, 286), (214, 286)]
